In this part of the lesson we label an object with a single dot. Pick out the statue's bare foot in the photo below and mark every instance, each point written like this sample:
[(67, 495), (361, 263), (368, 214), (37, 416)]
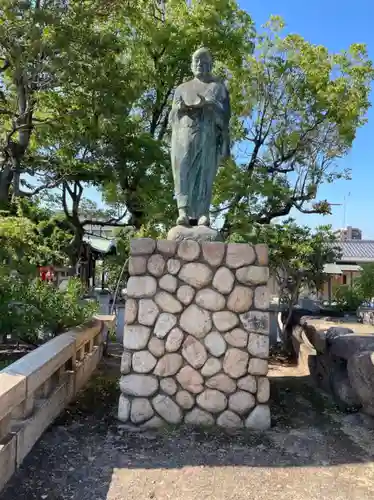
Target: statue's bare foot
[(183, 220), (203, 221)]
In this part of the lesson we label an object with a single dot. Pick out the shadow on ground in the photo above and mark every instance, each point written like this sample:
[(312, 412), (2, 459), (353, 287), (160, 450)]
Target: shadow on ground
[(312, 451)]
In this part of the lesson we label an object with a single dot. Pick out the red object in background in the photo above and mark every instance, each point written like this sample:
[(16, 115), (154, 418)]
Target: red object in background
[(46, 273), (49, 276)]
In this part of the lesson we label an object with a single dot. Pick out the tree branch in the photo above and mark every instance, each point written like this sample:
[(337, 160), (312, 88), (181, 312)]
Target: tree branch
[(114, 221), (50, 185)]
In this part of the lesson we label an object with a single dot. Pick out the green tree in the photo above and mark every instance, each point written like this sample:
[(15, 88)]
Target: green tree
[(296, 109), (297, 256), (64, 78), (23, 246)]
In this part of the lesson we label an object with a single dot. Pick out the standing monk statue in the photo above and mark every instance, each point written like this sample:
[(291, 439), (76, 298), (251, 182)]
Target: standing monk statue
[(200, 139)]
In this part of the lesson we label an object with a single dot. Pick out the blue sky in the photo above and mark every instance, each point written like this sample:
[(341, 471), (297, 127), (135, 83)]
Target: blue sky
[(335, 24)]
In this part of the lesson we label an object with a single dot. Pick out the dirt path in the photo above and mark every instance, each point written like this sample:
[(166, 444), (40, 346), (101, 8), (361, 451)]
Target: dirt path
[(311, 452)]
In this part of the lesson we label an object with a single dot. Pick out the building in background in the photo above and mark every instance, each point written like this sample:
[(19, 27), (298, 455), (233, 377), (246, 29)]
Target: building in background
[(355, 253), (349, 233), (106, 232)]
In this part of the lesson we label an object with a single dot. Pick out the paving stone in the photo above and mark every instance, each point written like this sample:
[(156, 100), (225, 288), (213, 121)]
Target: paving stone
[(168, 303), (213, 252), (123, 408), (131, 311), (190, 379), (168, 365), (194, 352), (126, 362), (196, 274), (143, 362), (156, 346), (164, 324), (156, 265), (141, 286), (167, 247), (173, 266), (169, 283), (137, 265), (141, 410), (212, 400), (185, 294), (258, 345), (169, 386), (225, 320), (241, 402), (167, 409), (223, 280), (239, 255), (211, 367), (259, 418), (256, 321), (210, 299), (188, 250), (253, 275), (229, 420), (142, 246), (196, 321), (240, 299), (248, 383), (148, 312), (174, 340), (138, 385), (136, 337), (235, 362), (199, 418), (257, 367), (215, 344), (262, 299), (222, 382), (185, 400), (237, 338), (263, 389)]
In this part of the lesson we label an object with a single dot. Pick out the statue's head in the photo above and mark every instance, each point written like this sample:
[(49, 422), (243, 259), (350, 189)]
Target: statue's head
[(202, 63)]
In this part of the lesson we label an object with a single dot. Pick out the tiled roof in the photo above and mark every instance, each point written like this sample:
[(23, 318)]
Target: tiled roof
[(357, 251)]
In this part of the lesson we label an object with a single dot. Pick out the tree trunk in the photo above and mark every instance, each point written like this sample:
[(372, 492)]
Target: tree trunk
[(76, 244), (6, 178), (286, 334)]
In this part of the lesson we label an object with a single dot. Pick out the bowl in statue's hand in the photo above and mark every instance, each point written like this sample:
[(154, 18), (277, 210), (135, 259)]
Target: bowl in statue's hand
[(195, 102)]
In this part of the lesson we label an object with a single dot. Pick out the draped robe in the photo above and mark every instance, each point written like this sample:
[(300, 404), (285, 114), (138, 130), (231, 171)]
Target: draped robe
[(199, 140)]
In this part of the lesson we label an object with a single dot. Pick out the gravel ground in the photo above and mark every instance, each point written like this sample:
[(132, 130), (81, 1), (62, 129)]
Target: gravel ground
[(311, 452)]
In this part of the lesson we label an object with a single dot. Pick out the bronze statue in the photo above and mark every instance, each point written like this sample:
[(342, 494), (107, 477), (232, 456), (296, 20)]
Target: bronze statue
[(199, 119)]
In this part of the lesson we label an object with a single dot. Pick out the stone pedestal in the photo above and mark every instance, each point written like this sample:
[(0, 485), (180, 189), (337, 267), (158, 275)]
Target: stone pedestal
[(196, 338), (196, 233)]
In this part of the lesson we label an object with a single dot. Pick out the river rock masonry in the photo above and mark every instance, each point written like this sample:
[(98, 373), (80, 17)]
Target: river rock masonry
[(196, 338)]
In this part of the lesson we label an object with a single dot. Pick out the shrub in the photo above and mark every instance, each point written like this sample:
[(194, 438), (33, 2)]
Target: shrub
[(348, 298), (34, 311)]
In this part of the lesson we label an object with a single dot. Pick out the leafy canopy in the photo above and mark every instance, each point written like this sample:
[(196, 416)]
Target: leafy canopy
[(296, 109)]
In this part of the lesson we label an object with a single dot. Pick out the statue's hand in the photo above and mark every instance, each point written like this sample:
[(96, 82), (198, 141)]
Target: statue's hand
[(182, 105)]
